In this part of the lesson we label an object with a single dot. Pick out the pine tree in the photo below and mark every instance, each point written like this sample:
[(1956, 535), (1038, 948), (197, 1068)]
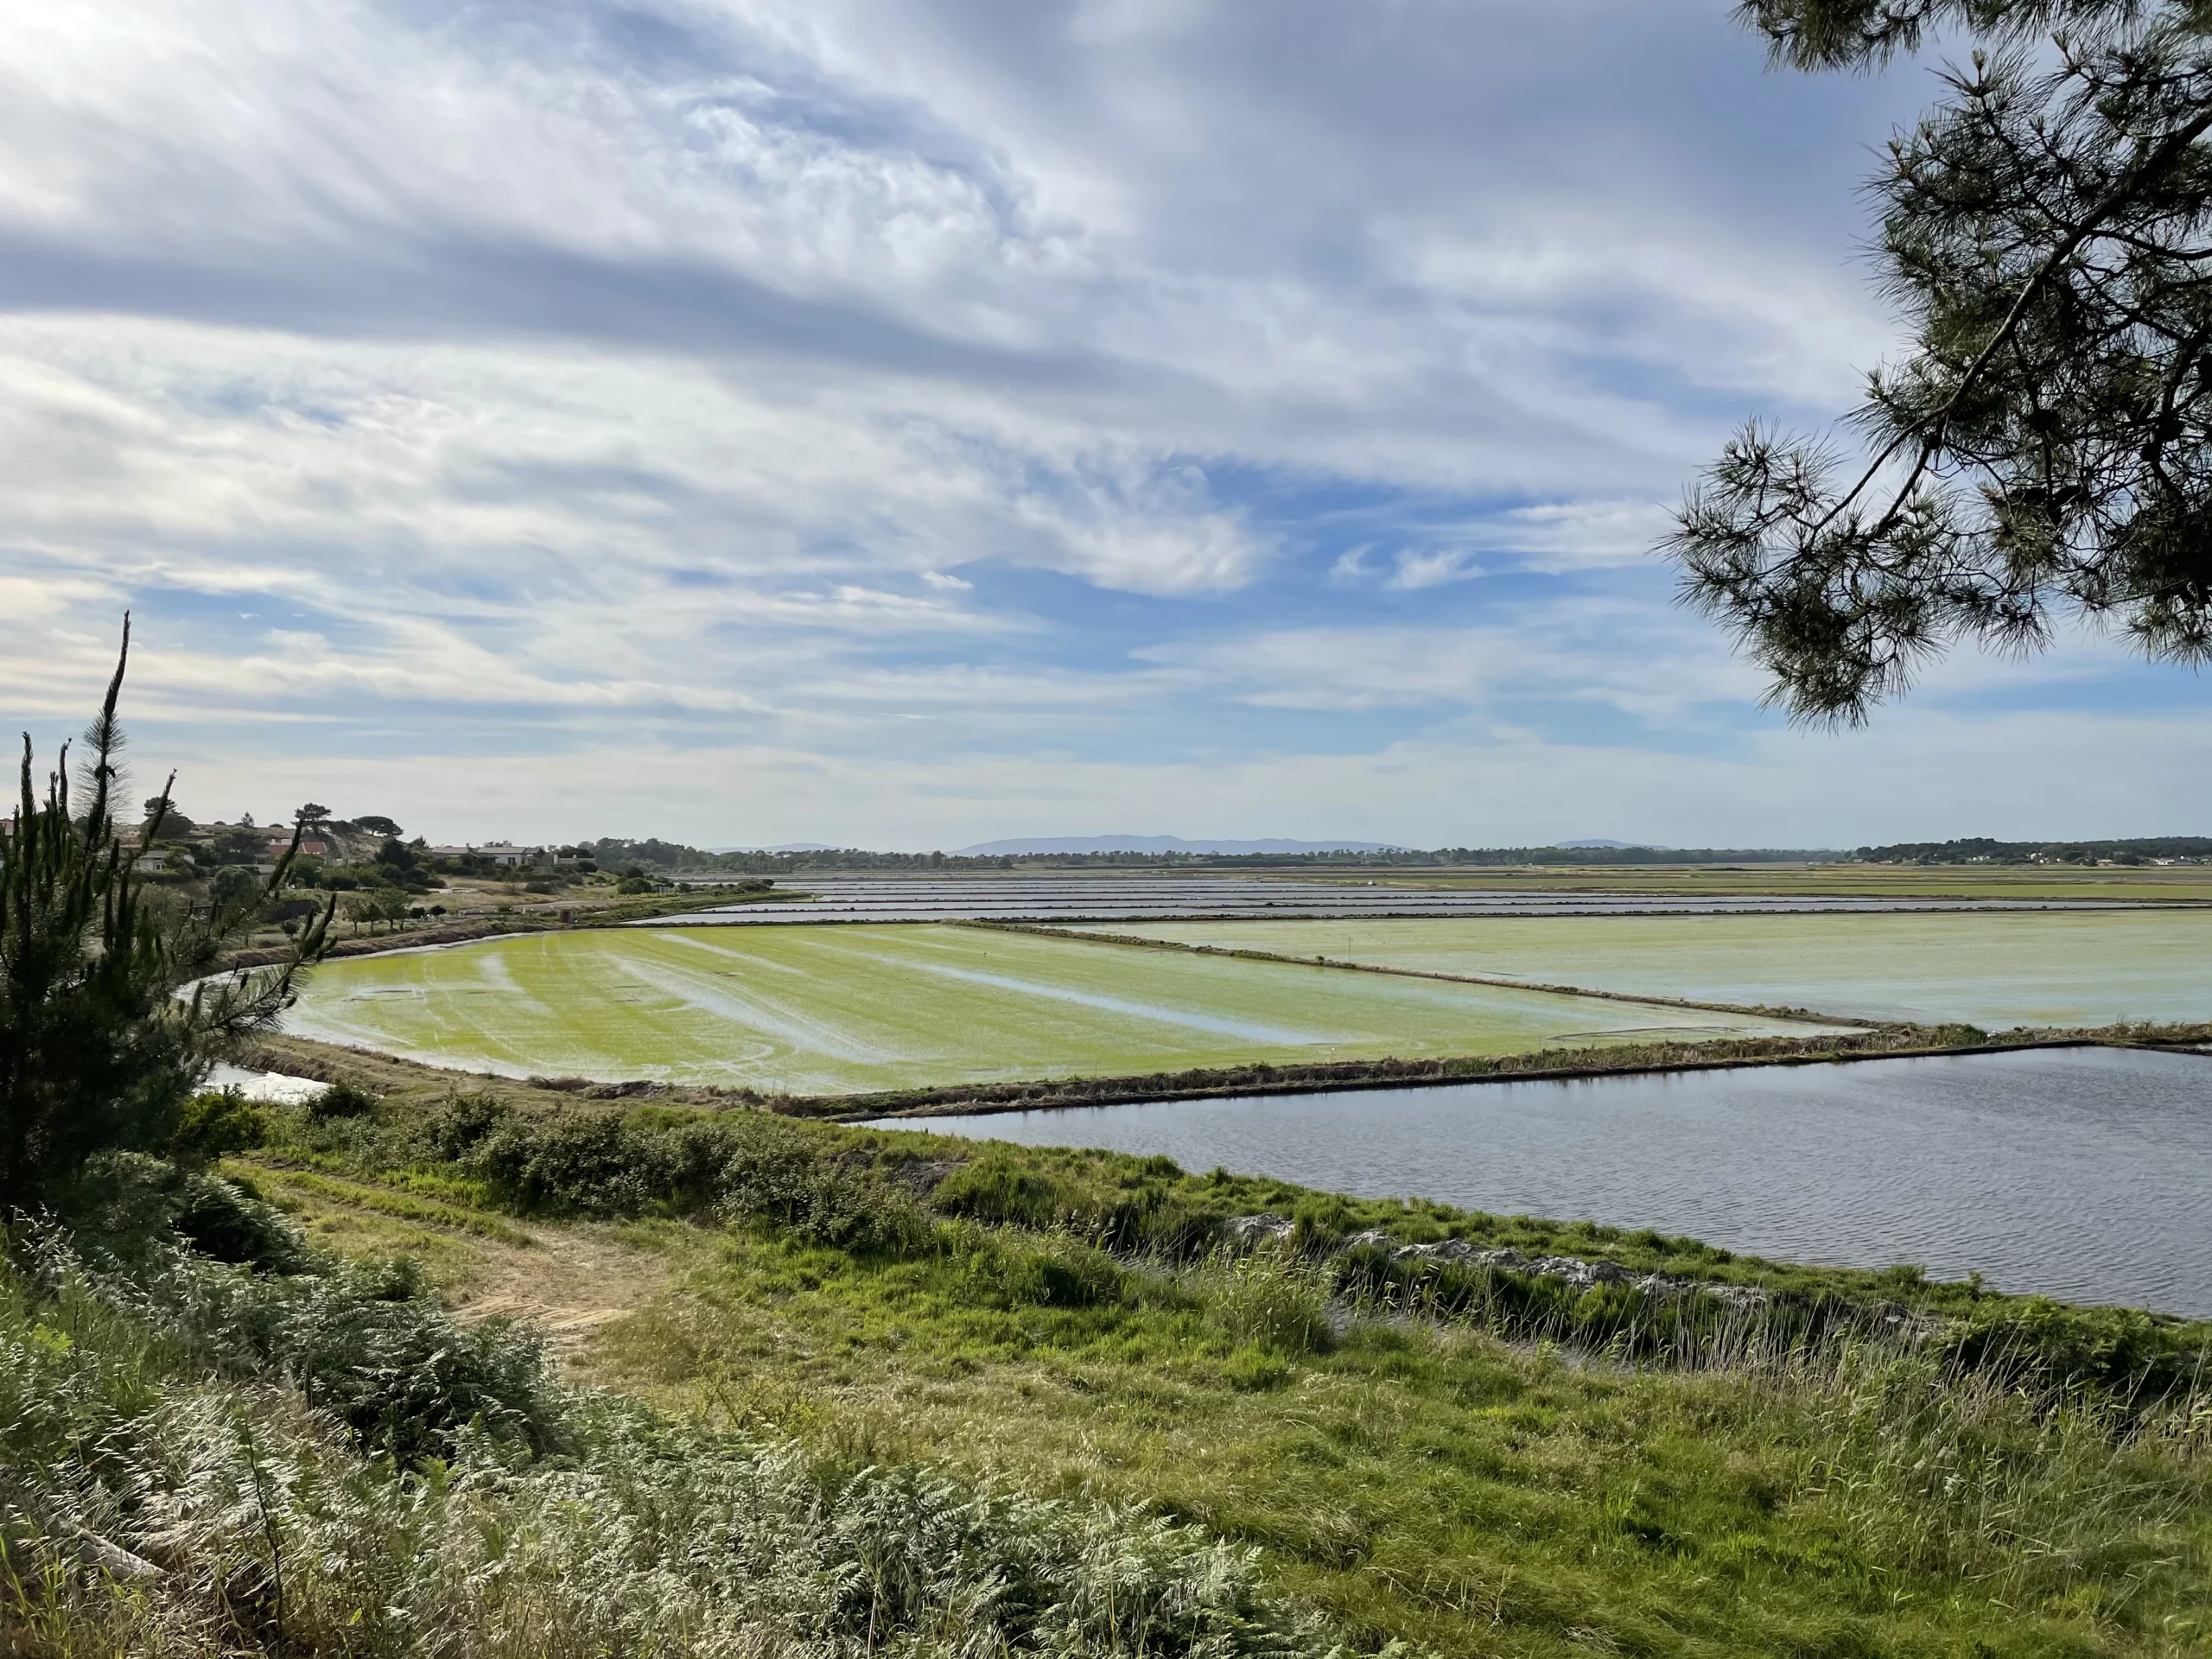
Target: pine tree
[(2041, 452), (110, 1009)]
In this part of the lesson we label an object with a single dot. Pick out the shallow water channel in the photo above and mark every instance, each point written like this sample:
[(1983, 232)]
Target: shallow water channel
[(2080, 1174)]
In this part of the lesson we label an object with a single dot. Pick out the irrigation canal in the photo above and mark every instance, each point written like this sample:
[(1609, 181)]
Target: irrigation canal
[(1092, 898), (2079, 1173)]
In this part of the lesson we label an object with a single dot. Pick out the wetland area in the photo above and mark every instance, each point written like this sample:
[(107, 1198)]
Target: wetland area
[(2079, 1173), (1626, 1361)]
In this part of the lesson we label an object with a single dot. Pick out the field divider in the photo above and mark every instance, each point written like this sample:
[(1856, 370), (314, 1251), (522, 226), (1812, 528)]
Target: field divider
[(955, 1101)]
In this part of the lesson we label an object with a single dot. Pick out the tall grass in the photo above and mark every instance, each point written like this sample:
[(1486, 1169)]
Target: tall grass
[(2030, 1498), (1268, 1299), (167, 1488)]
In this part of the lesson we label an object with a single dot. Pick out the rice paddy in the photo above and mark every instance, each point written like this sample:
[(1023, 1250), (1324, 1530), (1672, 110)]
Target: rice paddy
[(829, 1010), (1995, 970)]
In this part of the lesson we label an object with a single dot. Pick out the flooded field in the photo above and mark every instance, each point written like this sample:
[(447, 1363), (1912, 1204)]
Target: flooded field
[(1995, 969), (2080, 1173), (1093, 897), (840, 1009)]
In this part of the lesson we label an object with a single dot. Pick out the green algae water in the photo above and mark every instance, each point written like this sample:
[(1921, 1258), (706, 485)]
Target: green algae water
[(1993, 968), (832, 1010)]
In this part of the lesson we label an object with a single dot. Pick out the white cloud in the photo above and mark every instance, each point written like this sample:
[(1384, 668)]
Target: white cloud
[(1434, 568), (1645, 661), (1927, 776), (510, 392), (1587, 535)]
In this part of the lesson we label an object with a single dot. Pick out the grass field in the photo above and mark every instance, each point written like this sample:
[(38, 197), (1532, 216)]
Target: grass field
[(1996, 969), (836, 1009)]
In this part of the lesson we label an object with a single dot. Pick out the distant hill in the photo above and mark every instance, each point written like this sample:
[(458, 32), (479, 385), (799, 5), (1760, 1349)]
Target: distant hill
[(1614, 846), (1037, 844), (786, 847)]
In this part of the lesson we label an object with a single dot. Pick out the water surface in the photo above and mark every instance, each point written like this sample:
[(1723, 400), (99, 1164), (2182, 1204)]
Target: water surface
[(2080, 1174)]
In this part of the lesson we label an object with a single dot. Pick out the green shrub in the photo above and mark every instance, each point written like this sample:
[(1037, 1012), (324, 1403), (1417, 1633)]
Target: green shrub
[(2114, 1352), (749, 1169), (1006, 1269), (217, 1122), (997, 1185), (583, 1164), (126, 1208), (1147, 1216), (772, 1171), (368, 1343), (460, 1123), (342, 1099)]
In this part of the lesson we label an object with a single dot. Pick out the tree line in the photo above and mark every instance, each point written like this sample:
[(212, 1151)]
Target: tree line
[(1979, 849)]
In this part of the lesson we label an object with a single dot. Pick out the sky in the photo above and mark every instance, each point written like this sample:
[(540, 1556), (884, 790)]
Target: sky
[(913, 422)]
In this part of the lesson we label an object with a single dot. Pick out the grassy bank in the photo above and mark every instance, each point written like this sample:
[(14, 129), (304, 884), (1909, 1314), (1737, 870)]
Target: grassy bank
[(1474, 1459)]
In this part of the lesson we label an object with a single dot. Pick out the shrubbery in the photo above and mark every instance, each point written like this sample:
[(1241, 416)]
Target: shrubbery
[(110, 1005), (126, 1208), (747, 1167), (884, 1196), (2118, 1353), (368, 1343), (1147, 1212), (216, 1121), (343, 1098)]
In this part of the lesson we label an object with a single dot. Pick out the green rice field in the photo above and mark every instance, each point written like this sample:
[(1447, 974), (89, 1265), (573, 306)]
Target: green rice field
[(833, 1010), (1995, 969)]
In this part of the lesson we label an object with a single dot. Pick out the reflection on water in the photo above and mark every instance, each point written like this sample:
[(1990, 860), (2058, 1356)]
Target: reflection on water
[(2082, 1173)]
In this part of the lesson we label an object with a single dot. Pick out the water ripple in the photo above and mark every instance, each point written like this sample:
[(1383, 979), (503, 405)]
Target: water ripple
[(2080, 1173)]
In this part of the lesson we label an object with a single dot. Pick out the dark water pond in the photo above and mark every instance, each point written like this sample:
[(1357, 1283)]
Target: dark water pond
[(2080, 1173)]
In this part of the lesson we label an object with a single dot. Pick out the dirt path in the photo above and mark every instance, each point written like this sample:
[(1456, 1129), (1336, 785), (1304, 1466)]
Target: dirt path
[(573, 1284)]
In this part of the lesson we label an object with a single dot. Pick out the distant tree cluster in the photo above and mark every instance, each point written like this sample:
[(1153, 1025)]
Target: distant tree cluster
[(1979, 849)]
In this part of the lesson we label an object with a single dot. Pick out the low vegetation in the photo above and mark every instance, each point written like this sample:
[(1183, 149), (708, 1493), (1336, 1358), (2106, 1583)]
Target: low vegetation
[(1036, 1401), (203, 1459), (881, 1193), (1463, 1458)]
